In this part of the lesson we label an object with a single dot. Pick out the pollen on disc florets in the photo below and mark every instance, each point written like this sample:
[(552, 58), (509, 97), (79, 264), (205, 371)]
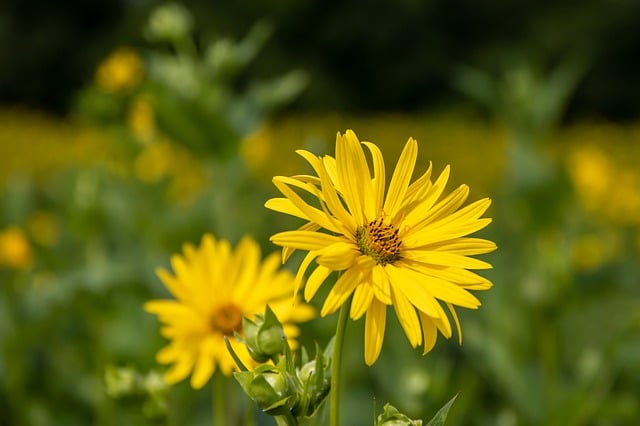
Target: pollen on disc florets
[(380, 241)]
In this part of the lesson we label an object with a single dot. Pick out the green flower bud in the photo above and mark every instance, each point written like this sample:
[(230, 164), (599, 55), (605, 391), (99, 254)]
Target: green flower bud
[(121, 381), (270, 388), (264, 336), (392, 417), (169, 22)]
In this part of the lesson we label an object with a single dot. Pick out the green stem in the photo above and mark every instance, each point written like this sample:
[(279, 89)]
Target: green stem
[(336, 365), (219, 408)]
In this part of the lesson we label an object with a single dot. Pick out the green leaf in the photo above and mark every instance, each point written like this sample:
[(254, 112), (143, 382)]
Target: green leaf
[(441, 415)]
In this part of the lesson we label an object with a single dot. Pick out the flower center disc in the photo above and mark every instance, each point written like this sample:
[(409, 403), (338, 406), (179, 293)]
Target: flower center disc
[(380, 241), (227, 319)]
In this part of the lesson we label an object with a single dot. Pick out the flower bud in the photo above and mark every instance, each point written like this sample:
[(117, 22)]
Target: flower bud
[(169, 22), (392, 417), (121, 381), (270, 388), (264, 336)]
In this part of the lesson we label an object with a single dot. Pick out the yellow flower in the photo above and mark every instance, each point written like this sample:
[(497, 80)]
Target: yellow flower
[(121, 71), (407, 249), (15, 250), (214, 288), (141, 119)]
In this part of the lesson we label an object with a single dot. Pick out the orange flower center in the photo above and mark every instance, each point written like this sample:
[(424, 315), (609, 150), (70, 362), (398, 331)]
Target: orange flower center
[(227, 319), (380, 241)]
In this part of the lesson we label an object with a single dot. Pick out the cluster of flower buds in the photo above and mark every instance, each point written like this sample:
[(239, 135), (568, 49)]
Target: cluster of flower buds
[(292, 394), (126, 383)]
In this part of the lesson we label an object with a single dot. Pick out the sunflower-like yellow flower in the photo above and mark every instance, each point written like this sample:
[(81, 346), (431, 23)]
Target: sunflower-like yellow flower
[(122, 70), (215, 287), (407, 249)]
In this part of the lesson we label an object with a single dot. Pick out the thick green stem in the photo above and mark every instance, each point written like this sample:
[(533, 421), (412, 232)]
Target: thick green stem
[(336, 365), (219, 406)]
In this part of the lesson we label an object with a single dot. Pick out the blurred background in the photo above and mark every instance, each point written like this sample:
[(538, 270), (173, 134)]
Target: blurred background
[(128, 127)]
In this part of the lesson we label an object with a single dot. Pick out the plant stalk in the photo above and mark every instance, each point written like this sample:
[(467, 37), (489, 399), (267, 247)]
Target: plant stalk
[(336, 365)]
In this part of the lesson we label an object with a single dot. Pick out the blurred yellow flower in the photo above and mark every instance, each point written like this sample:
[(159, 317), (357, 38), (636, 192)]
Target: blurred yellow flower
[(592, 173), (141, 119), (15, 250), (121, 71), (214, 288), (407, 249), (255, 149), (163, 159), (605, 187)]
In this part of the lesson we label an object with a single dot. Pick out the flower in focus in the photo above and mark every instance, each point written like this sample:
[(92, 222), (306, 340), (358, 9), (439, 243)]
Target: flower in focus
[(407, 249), (15, 250), (121, 71), (215, 288)]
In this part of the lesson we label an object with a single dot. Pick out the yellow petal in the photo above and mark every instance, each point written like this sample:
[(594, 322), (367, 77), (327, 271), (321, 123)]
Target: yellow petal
[(169, 353), (440, 289), (330, 194), (408, 318), (284, 205), (401, 177), (418, 295), (302, 269), (351, 174), (288, 251), (314, 214), (456, 320), (418, 189), (374, 326), (378, 181), (380, 285), (429, 332), (338, 256), (433, 233), (445, 259), (341, 290), (427, 201), (180, 369), (465, 246), (362, 298), (305, 240), (204, 366), (317, 277), (177, 288)]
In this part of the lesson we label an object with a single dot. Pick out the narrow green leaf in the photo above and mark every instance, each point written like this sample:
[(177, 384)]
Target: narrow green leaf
[(441, 415)]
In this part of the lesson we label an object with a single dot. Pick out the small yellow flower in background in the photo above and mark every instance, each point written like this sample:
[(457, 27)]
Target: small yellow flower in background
[(256, 148), (120, 71), (15, 250), (407, 249), (141, 119), (214, 288), (162, 159)]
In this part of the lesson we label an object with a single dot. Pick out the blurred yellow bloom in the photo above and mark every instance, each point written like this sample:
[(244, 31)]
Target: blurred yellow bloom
[(120, 71), (214, 288), (406, 249), (591, 172), (162, 159), (15, 250), (141, 119), (255, 149), (605, 187)]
